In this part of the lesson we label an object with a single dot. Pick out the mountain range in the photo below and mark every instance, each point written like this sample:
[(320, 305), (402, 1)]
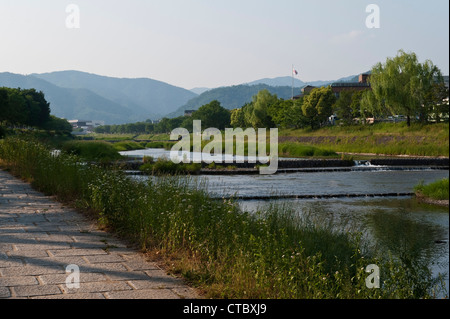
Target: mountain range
[(81, 95)]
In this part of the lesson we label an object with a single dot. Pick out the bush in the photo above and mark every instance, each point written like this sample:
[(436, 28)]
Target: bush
[(298, 150), (167, 167), (92, 150), (438, 190), (2, 132)]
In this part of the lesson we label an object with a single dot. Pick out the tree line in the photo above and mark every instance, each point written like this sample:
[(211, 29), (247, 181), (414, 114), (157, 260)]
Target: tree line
[(400, 86), (28, 108)]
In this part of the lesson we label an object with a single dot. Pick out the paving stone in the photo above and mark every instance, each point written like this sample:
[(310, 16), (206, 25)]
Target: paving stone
[(157, 282), (29, 270), (96, 259), (36, 290), (103, 286), (54, 279), (18, 281), (77, 252), (127, 276), (5, 292), (28, 253), (143, 294), (134, 263), (81, 296), (11, 263)]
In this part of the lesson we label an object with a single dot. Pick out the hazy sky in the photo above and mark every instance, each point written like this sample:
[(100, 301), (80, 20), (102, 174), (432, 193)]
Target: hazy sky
[(211, 43)]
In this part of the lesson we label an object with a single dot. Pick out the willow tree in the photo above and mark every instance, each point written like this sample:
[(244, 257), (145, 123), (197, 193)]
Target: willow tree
[(402, 83), (257, 113)]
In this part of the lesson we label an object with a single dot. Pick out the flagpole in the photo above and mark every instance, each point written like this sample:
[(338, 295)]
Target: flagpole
[(292, 81)]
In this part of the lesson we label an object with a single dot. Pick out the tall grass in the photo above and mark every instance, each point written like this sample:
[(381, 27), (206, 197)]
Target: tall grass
[(298, 150), (438, 190), (215, 245)]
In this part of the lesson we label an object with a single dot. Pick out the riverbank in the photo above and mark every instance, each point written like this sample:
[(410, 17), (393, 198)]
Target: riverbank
[(431, 201), (217, 247), (389, 139), (436, 193)]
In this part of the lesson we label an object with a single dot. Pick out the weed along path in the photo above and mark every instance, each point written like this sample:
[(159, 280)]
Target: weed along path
[(50, 251)]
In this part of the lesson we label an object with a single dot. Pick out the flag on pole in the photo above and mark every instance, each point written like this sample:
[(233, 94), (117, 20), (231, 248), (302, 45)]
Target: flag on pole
[(294, 72)]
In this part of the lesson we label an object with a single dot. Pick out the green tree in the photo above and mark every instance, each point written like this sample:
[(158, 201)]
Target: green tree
[(356, 103), (287, 113), (343, 108), (24, 107), (4, 104), (38, 108), (213, 115), (57, 124), (402, 83), (238, 118), (17, 112), (257, 114), (318, 106), (436, 102)]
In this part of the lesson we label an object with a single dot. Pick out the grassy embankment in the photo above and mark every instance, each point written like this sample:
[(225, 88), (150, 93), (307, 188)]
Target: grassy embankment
[(217, 247), (389, 139), (381, 138)]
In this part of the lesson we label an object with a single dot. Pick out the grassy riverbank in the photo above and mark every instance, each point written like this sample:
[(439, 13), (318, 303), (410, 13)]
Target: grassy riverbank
[(436, 193), (223, 251), (381, 138)]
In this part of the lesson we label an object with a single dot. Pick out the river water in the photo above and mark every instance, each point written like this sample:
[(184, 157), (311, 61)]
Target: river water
[(396, 223)]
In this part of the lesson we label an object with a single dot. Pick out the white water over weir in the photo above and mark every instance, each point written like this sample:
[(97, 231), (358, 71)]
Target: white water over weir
[(323, 196)]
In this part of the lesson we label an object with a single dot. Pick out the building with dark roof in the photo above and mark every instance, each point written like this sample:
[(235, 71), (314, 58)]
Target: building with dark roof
[(338, 87), (361, 85)]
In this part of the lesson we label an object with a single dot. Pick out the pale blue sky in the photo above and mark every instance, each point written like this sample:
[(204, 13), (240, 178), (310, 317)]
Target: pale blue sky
[(211, 43)]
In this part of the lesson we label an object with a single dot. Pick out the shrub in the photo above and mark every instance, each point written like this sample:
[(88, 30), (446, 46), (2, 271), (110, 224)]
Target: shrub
[(438, 190), (164, 166), (92, 150)]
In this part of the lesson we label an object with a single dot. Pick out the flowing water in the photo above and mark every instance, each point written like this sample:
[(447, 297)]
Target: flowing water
[(399, 224)]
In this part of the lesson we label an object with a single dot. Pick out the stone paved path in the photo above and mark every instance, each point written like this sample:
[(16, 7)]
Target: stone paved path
[(39, 239)]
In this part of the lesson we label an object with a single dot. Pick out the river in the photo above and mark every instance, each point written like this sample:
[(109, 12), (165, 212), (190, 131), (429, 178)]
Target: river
[(396, 223)]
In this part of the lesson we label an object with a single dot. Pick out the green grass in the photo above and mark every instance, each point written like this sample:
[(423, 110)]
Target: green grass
[(92, 150), (217, 247), (438, 190), (380, 138), (166, 167), (128, 146), (299, 150), (165, 145)]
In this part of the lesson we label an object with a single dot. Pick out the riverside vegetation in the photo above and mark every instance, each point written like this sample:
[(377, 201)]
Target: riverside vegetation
[(213, 244), (434, 193)]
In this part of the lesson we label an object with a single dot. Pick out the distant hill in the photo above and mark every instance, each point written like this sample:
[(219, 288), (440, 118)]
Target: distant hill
[(153, 97), (287, 81), (72, 103), (79, 95), (199, 90), (279, 81), (232, 97)]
